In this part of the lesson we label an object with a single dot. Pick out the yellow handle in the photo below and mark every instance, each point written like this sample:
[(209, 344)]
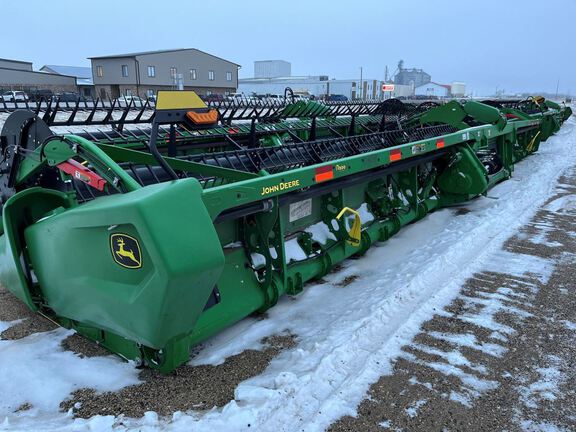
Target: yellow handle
[(356, 230), (531, 144)]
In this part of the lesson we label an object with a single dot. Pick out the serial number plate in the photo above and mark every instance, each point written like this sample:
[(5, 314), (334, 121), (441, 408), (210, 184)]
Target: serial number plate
[(300, 209)]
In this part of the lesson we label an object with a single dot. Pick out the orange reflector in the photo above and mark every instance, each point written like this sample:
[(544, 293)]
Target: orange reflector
[(200, 118), (395, 155), (440, 143), (324, 173)]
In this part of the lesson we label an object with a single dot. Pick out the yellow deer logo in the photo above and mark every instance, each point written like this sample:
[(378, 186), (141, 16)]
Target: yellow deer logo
[(126, 251)]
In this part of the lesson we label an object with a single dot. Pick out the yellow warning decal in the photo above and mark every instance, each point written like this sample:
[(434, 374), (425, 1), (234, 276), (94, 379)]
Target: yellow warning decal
[(126, 251), (178, 100)]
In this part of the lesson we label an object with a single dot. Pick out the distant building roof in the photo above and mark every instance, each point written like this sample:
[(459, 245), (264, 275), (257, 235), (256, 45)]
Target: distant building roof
[(76, 71), (34, 72), (15, 61), (446, 86), (141, 53), (84, 81)]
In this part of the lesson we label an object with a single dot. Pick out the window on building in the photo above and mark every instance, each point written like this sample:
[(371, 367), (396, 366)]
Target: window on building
[(173, 72), (128, 92), (99, 71), (150, 93), (211, 75), (208, 92), (151, 71), (228, 76), (193, 74), (124, 70)]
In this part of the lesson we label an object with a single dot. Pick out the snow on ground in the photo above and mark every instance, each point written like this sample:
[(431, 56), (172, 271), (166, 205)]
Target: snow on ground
[(547, 385), (412, 411), (347, 336), (481, 311), (7, 324), (38, 371)]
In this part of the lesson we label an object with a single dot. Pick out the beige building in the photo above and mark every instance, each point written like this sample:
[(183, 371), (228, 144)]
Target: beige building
[(143, 74)]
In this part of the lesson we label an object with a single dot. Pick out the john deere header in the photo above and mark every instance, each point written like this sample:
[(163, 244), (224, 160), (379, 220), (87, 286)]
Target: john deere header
[(149, 239)]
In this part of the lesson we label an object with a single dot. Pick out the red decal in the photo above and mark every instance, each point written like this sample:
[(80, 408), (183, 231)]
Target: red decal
[(324, 173), (440, 143), (395, 155), (80, 172)]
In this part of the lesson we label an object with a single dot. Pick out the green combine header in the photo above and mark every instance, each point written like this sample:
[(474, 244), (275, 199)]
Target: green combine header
[(151, 238)]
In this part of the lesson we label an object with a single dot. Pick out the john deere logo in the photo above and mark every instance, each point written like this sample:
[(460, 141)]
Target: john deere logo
[(126, 251)]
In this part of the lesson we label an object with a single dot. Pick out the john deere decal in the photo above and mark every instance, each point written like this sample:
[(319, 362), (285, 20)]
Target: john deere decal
[(126, 251)]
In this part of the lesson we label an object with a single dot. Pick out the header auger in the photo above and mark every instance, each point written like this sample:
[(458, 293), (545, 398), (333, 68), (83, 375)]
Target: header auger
[(149, 240)]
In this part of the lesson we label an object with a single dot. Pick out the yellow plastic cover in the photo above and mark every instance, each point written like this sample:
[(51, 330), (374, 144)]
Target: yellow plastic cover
[(178, 100)]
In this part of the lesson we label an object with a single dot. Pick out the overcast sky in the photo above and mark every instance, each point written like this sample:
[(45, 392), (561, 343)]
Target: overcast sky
[(516, 45)]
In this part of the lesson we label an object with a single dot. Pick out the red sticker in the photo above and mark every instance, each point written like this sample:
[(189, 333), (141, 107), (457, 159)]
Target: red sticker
[(324, 173), (395, 155)]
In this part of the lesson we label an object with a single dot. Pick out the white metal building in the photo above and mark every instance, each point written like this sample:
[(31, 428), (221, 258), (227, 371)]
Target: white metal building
[(272, 69), (433, 89), (312, 85), (458, 89), (404, 91)]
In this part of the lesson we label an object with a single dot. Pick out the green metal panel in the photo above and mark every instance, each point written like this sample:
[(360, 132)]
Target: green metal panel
[(20, 211), (181, 261), (464, 175)]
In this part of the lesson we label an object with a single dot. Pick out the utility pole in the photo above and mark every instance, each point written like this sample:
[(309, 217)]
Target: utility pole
[(361, 85), (557, 86)]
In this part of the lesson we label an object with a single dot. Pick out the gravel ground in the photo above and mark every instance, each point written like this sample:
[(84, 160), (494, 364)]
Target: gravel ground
[(521, 381), (198, 387)]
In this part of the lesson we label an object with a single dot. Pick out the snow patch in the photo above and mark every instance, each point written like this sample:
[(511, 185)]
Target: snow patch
[(320, 233), (412, 411), (563, 205), (36, 370), (470, 341), (5, 325), (294, 251), (546, 387), (258, 260)]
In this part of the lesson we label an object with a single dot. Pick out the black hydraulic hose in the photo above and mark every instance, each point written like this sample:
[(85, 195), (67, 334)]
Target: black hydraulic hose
[(157, 155)]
